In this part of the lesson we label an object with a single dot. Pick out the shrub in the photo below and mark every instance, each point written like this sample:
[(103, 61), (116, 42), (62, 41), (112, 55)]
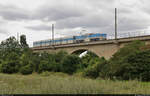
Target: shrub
[(91, 72), (60, 55), (138, 66), (130, 63), (26, 70), (11, 66), (95, 68), (44, 66), (70, 64)]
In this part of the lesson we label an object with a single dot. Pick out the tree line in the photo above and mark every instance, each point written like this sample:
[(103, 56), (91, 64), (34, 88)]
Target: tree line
[(129, 63)]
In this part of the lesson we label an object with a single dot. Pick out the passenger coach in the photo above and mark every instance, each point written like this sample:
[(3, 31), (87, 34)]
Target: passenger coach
[(71, 40)]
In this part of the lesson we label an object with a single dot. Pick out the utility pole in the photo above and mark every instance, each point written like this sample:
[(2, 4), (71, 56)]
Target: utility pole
[(115, 23), (52, 34)]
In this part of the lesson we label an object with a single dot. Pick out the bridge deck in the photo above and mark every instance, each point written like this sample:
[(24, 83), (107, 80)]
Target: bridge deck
[(110, 41)]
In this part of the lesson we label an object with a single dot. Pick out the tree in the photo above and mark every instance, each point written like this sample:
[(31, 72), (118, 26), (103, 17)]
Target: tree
[(27, 62), (138, 66), (23, 41), (11, 63), (48, 63), (95, 68), (125, 63), (10, 53), (70, 64), (9, 45)]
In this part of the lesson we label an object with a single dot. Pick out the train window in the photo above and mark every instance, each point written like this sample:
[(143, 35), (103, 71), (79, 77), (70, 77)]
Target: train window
[(95, 39), (79, 41)]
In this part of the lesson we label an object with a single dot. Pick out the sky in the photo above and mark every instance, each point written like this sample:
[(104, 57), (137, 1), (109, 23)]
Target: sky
[(34, 18)]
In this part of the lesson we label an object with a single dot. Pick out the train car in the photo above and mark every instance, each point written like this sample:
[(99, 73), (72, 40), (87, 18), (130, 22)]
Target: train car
[(48, 42), (97, 37), (35, 44), (41, 43), (80, 39), (66, 40), (57, 41), (72, 39)]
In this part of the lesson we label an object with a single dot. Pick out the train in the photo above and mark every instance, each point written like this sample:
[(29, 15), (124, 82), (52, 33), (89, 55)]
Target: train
[(71, 40)]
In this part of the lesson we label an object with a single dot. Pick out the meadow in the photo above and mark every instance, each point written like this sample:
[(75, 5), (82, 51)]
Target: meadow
[(60, 83)]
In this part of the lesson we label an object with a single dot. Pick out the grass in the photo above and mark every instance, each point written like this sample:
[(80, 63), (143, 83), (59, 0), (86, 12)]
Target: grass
[(59, 83)]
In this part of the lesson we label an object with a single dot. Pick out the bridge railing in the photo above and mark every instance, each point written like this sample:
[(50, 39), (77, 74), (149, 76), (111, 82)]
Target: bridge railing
[(129, 34)]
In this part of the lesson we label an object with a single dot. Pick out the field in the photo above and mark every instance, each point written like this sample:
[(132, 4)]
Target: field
[(59, 83)]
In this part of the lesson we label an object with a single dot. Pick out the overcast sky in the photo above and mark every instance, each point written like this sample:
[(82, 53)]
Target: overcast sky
[(34, 17)]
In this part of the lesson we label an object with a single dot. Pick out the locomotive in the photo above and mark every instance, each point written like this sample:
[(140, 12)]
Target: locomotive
[(71, 40)]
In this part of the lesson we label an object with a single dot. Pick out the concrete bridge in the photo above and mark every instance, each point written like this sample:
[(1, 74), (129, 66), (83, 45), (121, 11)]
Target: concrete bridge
[(104, 48)]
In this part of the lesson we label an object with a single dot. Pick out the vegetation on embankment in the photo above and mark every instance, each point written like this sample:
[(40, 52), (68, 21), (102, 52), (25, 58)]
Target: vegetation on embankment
[(129, 63), (60, 83)]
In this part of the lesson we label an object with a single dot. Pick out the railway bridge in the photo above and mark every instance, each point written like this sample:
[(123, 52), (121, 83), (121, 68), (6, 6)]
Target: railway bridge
[(105, 48)]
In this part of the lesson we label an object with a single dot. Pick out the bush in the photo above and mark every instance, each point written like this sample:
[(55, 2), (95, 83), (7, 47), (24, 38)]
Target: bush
[(138, 66), (91, 72), (26, 70), (44, 66), (11, 66), (95, 69), (70, 64), (130, 63), (49, 64), (60, 56)]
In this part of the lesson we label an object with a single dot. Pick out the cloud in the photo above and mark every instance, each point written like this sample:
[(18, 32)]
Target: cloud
[(70, 15), (11, 12), (4, 32), (99, 19), (55, 12), (39, 28), (92, 15)]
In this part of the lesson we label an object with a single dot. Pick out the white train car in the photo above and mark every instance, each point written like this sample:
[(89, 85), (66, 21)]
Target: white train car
[(71, 39)]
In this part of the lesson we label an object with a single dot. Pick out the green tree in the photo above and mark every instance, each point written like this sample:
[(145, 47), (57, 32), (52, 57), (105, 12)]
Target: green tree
[(9, 45), (95, 68), (48, 62), (27, 62), (9, 55), (70, 64), (10, 64), (119, 64), (138, 66), (23, 41)]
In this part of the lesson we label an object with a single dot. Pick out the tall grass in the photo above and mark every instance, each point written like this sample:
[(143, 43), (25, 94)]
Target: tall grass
[(58, 83)]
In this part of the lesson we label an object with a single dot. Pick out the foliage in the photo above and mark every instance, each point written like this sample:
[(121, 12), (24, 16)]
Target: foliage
[(47, 61), (70, 64), (137, 66), (10, 64), (25, 70), (94, 70), (23, 42), (8, 46), (126, 62)]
